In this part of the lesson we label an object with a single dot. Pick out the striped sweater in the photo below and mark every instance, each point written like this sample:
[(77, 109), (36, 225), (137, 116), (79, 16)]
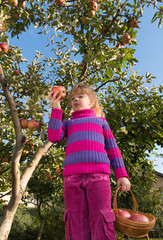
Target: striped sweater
[(90, 144)]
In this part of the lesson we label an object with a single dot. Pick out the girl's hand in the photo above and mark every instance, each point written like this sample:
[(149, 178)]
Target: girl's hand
[(55, 101), (124, 183)]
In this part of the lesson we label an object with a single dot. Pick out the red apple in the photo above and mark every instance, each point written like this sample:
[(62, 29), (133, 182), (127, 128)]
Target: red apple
[(33, 125), (126, 38), (62, 91), (22, 4), (48, 175), (58, 171), (103, 30), (124, 213), (29, 145), (59, 3), (120, 45), (24, 123), (13, 3), (4, 47), (85, 20), (16, 72), (91, 13), (5, 159), (133, 23), (15, 16), (93, 5), (139, 218), (1, 26)]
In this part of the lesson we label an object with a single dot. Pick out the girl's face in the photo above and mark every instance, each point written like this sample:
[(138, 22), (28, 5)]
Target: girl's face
[(80, 101)]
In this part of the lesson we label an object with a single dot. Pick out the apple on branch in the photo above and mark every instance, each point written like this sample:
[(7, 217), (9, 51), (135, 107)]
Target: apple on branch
[(120, 45), (13, 3), (93, 5), (61, 91), (103, 30), (33, 125), (15, 16), (133, 23), (48, 175), (58, 171), (1, 26), (22, 4), (91, 13), (5, 159), (85, 20), (4, 47), (24, 123), (16, 72), (59, 3), (126, 38)]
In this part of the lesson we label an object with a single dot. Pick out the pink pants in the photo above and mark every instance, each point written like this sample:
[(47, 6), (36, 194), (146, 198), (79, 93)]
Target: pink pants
[(88, 213)]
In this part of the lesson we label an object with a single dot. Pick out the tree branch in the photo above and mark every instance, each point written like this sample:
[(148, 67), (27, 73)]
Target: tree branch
[(33, 164), (20, 138), (112, 80), (83, 73)]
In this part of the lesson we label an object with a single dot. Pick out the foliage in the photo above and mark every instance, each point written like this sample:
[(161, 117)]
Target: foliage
[(54, 225), (25, 224)]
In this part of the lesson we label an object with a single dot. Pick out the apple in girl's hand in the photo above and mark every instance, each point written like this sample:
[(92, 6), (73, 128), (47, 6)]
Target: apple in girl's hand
[(139, 218), (24, 123), (124, 213), (61, 90), (33, 125)]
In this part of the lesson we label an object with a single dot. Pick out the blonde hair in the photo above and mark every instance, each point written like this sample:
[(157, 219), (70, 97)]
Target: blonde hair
[(86, 89)]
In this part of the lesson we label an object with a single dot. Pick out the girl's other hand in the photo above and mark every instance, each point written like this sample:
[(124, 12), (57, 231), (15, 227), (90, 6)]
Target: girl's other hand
[(55, 101), (124, 183)]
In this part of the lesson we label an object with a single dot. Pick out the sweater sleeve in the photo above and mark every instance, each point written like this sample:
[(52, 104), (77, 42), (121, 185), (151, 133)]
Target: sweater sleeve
[(113, 152), (56, 129)]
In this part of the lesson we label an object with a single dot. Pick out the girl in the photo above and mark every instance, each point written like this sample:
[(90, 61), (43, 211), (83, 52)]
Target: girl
[(90, 150)]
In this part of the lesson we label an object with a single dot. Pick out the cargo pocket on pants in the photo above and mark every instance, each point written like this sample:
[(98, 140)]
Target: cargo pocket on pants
[(66, 219), (107, 231)]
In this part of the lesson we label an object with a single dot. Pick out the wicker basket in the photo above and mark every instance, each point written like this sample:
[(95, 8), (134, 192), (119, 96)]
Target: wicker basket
[(128, 227)]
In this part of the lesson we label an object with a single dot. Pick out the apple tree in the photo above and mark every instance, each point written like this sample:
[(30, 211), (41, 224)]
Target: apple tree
[(90, 42)]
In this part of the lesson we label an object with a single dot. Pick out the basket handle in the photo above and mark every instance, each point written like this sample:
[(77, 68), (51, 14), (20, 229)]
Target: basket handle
[(135, 205)]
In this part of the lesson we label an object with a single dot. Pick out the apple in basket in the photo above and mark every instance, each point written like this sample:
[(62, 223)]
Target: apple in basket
[(139, 218), (124, 213)]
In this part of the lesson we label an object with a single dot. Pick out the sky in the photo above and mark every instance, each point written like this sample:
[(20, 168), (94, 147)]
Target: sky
[(149, 52)]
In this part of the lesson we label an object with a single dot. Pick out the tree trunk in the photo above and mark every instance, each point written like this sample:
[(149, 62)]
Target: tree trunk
[(41, 223), (7, 216), (10, 209)]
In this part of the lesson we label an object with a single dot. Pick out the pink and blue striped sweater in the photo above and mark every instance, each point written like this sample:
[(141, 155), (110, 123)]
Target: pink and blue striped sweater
[(90, 144)]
